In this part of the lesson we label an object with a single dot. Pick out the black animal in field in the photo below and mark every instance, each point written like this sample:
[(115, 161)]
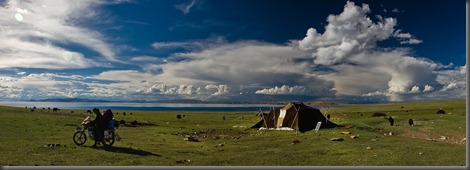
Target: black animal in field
[(410, 122), (390, 119), (440, 111)]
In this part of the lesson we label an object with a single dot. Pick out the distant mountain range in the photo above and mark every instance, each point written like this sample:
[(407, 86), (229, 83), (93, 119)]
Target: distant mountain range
[(68, 100), (182, 101)]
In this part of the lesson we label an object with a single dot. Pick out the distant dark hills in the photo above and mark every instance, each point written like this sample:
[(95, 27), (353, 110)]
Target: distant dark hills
[(69, 100), (181, 101), (132, 101)]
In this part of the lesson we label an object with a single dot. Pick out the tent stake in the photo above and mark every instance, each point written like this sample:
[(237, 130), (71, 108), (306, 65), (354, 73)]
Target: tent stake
[(297, 134)]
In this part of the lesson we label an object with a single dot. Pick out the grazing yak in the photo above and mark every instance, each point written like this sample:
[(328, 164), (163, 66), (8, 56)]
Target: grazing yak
[(440, 111), (410, 122), (390, 119)]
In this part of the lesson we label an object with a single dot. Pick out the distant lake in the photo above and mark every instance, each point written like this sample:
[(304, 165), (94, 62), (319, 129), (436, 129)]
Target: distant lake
[(145, 106)]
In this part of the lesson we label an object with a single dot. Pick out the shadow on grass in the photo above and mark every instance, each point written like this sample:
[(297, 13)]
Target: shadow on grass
[(128, 150)]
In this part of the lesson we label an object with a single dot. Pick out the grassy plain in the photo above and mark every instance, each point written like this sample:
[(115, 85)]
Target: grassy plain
[(435, 140)]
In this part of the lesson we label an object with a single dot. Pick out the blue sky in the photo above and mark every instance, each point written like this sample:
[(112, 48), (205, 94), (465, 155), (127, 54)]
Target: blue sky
[(241, 50)]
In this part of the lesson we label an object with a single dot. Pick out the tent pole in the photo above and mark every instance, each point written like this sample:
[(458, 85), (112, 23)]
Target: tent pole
[(294, 120), (264, 120), (274, 117), (297, 113)]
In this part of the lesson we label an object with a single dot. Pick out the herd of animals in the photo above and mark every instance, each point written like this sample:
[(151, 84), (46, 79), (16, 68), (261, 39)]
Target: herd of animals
[(55, 109)]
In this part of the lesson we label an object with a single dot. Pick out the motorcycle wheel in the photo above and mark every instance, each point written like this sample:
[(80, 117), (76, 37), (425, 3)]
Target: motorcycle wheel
[(79, 138), (109, 141)]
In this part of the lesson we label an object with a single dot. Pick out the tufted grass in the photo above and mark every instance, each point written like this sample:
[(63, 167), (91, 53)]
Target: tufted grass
[(158, 141)]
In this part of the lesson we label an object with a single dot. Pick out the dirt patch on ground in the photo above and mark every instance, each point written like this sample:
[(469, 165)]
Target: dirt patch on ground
[(214, 134), (422, 135), (453, 139), (414, 134), (134, 123), (425, 129)]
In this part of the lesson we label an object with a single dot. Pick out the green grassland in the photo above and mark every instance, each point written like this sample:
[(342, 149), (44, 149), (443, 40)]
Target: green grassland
[(158, 138)]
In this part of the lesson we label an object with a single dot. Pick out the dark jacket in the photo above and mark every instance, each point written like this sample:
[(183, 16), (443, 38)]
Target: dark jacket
[(98, 125), (98, 119), (107, 116)]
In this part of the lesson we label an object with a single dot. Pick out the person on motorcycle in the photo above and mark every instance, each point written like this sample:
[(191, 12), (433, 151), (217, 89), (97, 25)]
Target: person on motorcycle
[(98, 130), (107, 117)]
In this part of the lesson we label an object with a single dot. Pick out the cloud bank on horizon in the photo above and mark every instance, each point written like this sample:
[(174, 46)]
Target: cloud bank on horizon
[(48, 48)]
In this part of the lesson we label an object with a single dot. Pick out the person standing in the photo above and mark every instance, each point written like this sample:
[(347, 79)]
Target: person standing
[(98, 129)]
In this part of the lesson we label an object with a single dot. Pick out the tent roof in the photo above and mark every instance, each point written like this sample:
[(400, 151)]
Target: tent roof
[(297, 105)]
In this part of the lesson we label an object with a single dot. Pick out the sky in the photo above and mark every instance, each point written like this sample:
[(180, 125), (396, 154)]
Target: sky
[(233, 50)]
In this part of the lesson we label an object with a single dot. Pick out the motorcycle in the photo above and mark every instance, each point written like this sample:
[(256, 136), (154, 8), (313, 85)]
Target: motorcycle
[(80, 136)]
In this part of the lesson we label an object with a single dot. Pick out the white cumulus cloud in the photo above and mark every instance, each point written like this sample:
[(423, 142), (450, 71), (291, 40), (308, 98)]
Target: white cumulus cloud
[(221, 89), (346, 34), (414, 89), (42, 85), (349, 33), (428, 88), (348, 47), (247, 64), (283, 90)]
